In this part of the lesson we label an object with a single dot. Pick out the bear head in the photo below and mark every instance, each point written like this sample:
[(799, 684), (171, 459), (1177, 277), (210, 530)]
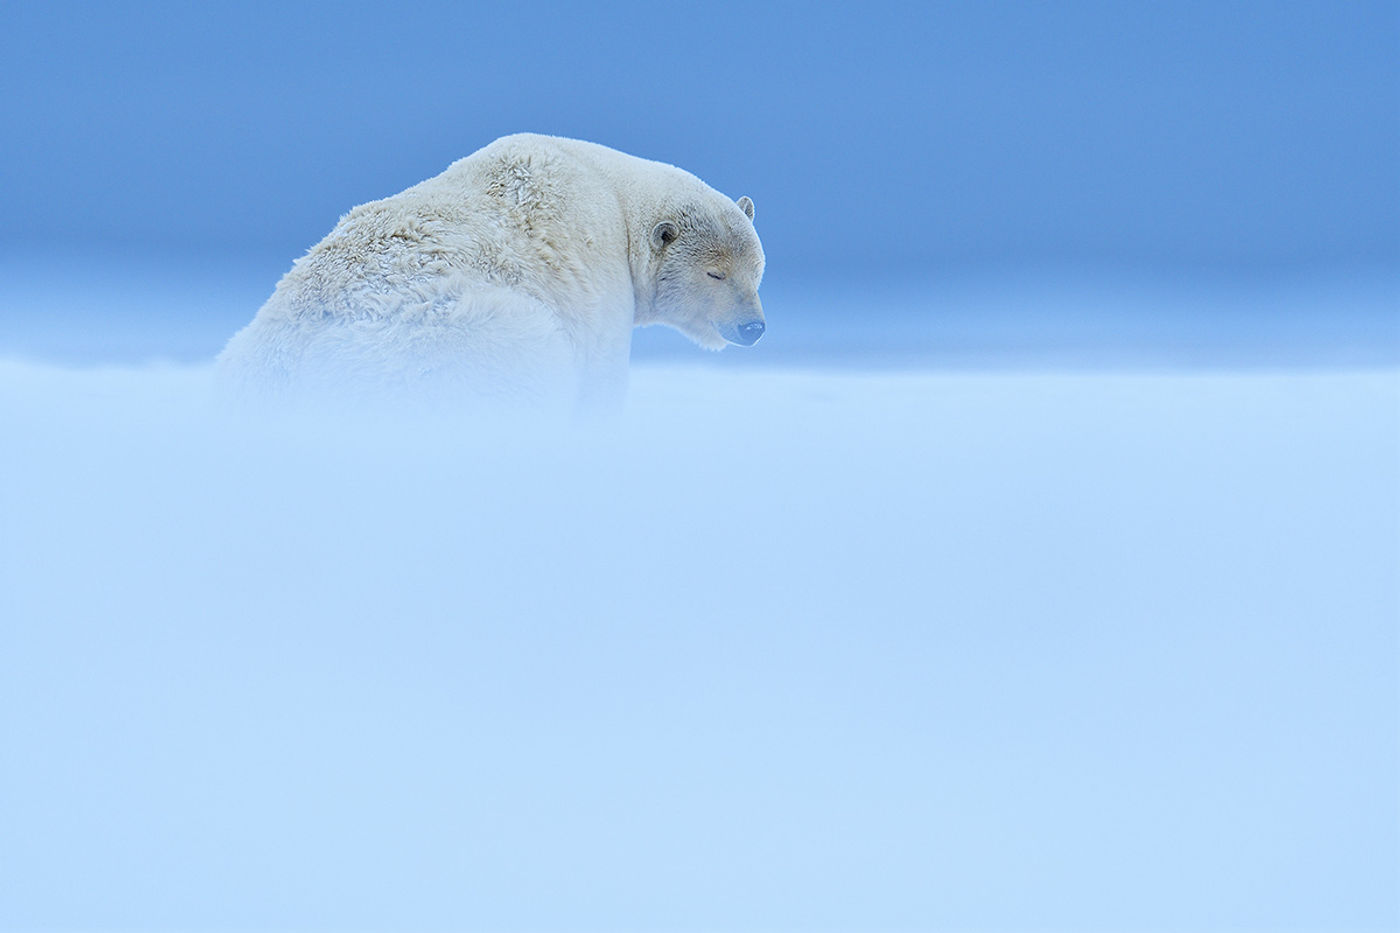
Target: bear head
[(707, 264)]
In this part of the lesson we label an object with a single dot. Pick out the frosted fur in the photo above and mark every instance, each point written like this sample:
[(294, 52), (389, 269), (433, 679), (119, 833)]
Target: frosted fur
[(518, 273)]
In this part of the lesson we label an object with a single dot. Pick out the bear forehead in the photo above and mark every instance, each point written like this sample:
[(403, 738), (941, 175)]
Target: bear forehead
[(728, 253), (721, 233)]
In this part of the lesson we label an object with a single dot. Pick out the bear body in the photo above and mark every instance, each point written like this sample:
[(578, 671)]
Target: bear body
[(517, 274)]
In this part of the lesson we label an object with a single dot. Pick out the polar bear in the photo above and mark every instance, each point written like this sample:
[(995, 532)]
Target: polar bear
[(516, 274)]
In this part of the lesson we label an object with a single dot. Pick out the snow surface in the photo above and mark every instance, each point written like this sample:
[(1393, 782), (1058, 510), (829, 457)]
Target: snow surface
[(778, 649)]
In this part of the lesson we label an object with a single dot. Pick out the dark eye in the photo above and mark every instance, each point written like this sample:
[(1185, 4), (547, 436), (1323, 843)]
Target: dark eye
[(716, 275)]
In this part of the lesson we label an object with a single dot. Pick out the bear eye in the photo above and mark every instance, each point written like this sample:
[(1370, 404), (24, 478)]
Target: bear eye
[(716, 275)]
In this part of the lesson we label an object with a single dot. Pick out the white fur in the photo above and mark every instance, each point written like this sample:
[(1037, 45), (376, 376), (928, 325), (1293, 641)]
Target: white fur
[(518, 273)]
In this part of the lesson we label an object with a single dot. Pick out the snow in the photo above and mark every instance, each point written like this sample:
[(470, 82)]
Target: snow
[(795, 647)]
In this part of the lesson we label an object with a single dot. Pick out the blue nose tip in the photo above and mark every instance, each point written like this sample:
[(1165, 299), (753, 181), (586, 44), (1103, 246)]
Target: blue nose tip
[(750, 332)]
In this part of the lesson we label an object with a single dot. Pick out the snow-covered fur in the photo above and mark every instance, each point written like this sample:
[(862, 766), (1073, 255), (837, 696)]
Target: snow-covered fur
[(516, 274)]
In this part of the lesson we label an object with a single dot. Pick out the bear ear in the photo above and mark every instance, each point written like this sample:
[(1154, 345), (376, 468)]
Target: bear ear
[(663, 233), (746, 205)]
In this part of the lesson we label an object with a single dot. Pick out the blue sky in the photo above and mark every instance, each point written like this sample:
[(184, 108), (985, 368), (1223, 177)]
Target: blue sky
[(1179, 135)]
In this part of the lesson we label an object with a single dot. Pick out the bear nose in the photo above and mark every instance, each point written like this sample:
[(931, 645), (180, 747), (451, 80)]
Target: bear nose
[(750, 332)]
